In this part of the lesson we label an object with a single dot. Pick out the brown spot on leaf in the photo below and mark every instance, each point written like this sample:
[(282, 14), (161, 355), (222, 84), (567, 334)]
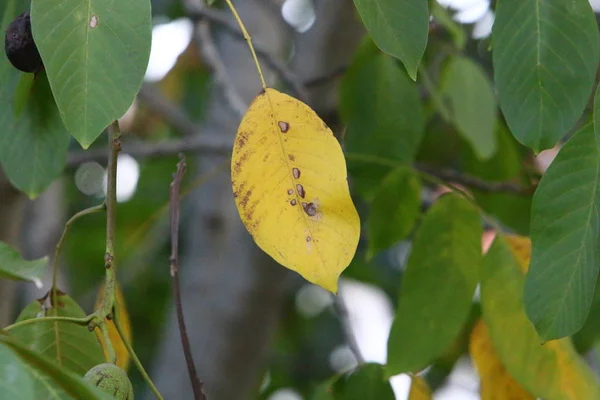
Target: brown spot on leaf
[(296, 173), (308, 238), (310, 209), (293, 202), (300, 190), (237, 167), (93, 21), (291, 157), (242, 139), (283, 126), (290, 191)]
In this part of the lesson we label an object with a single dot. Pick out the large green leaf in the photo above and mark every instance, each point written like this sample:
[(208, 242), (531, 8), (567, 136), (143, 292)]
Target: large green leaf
[(550, 371), (438, 285), (399, 28), (383, 113), (394, 210), (565, 232), (26, 375), (12, 266), (596, 115), (96, 53), (545, 59), (69, 345), (33, 139), (472, 104)]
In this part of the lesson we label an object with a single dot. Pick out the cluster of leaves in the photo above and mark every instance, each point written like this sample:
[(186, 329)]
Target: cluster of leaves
[(544, 57)]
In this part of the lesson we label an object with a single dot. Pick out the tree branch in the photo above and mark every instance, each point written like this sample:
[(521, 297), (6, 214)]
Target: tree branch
[(200, 12), (175, 188), (172, 114)]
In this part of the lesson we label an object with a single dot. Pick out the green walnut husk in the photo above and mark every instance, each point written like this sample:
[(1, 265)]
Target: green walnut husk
[(110, 379)]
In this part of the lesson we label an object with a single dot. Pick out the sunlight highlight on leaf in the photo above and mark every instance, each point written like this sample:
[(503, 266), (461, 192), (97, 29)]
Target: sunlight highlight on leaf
[(290, 187)]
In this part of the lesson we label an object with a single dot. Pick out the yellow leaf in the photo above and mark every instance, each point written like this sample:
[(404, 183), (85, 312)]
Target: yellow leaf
[(123, 358), (552, 370), (291, 190), (521, 247), (496, 382), (419, 389)]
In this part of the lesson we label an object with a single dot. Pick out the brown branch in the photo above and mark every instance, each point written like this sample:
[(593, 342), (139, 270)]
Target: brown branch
[(200, 12), (175, 188), (141, 149), (472, 182)]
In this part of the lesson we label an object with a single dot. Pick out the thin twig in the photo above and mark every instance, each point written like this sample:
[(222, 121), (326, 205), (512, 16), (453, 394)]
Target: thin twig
[(197, 385), (78, 321), (344, 316), (288, 77), (87, 211), (134, 356), (204, 38)]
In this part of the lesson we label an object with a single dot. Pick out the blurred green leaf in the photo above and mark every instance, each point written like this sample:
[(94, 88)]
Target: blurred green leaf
[(472, 103), (545, 60), (551, 371), (506, 165), (399, 28), (438, 285), (383, 113), (368, 381), (33, 140), (394, 210), (565, 232), (596, 115), (26, 375), (96, 54), (12, 266), (442, 17), (69, 345)]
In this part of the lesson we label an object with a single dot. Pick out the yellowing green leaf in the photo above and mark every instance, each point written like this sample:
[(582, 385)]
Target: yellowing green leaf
[(419, 389), (552, 370), (123, 357), (290, 186), (496, 383)]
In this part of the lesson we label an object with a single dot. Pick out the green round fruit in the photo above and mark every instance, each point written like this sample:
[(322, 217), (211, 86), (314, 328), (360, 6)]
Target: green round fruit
[(110, 379)]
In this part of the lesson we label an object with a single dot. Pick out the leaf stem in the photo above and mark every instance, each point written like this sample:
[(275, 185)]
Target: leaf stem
[(249, 41), (134, 357), (78, 321), (112, 355), (82, 213)]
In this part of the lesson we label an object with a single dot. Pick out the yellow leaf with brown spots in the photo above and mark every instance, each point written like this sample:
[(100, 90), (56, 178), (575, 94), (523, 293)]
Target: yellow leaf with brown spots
[(291, 189), (496, 382), (123, 357), (419, 390)]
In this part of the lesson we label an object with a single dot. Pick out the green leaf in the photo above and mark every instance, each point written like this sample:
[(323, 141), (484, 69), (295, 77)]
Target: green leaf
[(69, 345), (367, 382), (26, 375), (96, 53), (12, 266), (457, 31), (550, 371), (33, 141), (596, 115), (565, 232), (438, 285), (545, 59), (394, 210), (383, 114), (399, 28), (473, 104), (508, 164)]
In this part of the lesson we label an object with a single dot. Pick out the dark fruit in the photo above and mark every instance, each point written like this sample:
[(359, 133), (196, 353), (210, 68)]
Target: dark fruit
[(110, 379), (20, 47)]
